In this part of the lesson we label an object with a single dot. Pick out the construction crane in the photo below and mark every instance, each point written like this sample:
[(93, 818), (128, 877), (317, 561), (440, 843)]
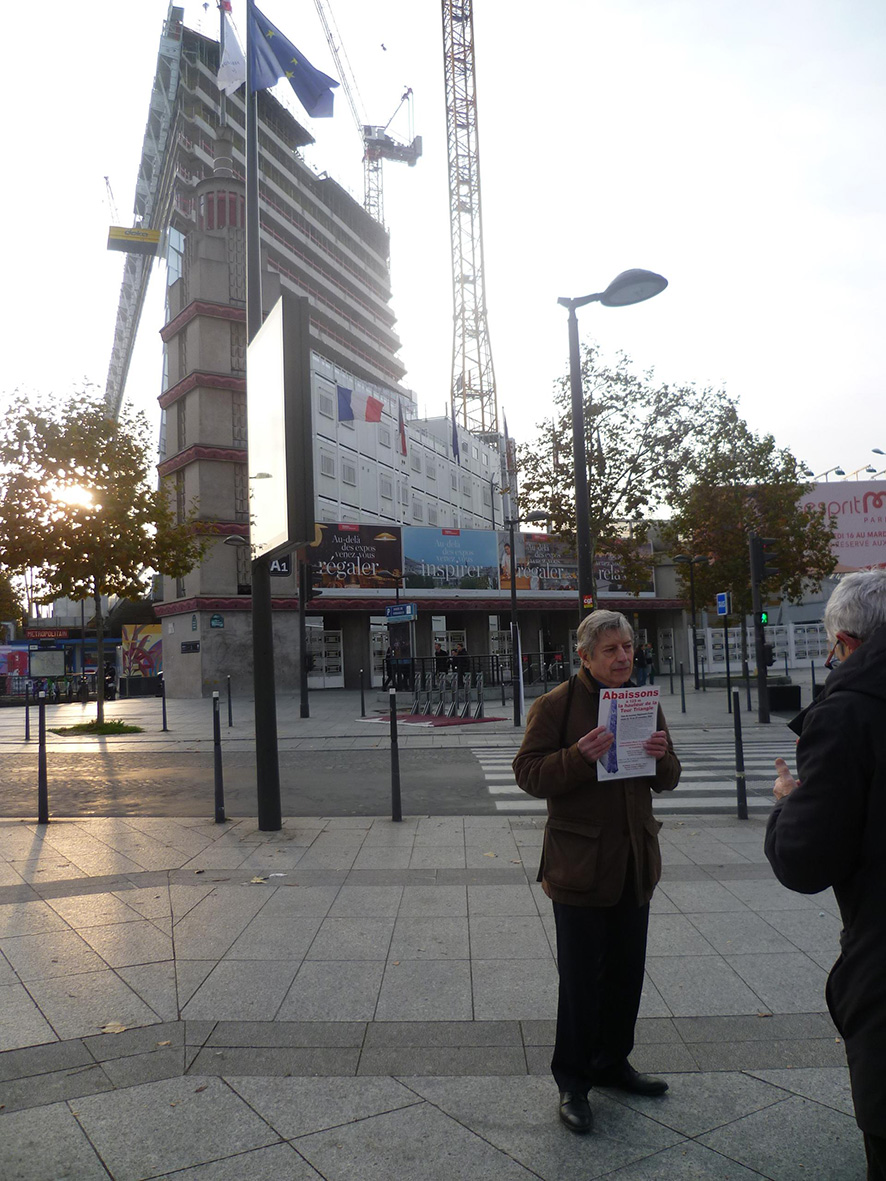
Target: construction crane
[(378, 144), (474, 400)]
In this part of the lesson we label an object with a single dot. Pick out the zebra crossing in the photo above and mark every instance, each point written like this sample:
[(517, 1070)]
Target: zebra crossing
[(707, 784)]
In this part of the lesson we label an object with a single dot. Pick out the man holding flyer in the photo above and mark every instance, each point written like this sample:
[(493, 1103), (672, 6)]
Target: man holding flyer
[(596, 748)]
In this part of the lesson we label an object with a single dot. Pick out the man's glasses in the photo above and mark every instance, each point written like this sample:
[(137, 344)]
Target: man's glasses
[(834, 661)]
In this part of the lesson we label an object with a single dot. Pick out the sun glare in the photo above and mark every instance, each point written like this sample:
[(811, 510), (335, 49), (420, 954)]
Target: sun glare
[(74, 494)]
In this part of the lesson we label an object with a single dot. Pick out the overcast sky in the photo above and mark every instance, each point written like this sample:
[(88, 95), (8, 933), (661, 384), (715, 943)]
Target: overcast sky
[(735, 147)]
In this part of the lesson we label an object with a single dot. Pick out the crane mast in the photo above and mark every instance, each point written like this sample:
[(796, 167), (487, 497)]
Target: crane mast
[(473, 378)]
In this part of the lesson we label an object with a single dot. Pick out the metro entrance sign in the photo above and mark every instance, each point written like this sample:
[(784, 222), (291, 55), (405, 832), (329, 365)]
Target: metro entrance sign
[(724, 603)]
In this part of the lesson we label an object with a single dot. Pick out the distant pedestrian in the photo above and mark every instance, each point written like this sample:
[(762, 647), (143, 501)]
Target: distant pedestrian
[(650, 664), (460, 660), (441, 659), (640, 665), (828, 829)]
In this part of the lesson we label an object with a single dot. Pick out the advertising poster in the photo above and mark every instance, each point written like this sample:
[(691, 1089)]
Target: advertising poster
[(465, 559), (859, 509), (609, 574), (366, 556), (13, 661), (142, 650), (544, 562), (630, 715)]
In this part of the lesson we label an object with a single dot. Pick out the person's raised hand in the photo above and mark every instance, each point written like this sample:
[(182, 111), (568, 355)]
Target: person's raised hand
[(785, 783), (595, 743)]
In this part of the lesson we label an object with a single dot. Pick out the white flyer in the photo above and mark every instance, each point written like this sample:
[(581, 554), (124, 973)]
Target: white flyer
[(630, 714)]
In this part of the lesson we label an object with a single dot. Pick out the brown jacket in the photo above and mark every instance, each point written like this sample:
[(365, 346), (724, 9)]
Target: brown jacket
[(592, 827)]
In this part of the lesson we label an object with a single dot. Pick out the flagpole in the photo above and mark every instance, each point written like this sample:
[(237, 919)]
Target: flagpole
[(222, 97), (267, 761)]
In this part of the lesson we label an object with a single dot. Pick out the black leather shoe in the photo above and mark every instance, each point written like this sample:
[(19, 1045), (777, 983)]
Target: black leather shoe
[(575, 1111), (625, 1078)]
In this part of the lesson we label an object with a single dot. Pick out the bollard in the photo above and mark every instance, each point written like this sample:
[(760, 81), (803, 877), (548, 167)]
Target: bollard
[(682, 691), (741, 790), (42, 789), (747, 681), (219, 779), (786, 673), (362, 697), (230, 706), (396, 810), (163, 700), (27, 713), (812, 667), (503, 699), (704, 686), (671, 674)]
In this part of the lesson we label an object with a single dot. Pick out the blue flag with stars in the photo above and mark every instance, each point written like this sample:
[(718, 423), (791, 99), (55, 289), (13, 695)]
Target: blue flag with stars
[(273, 56)]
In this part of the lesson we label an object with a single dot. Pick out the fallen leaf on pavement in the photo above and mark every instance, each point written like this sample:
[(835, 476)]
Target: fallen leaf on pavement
[(256, 881), (164, 1043), (197, 1090), (199, 871), (490, 854), (114, 1027)]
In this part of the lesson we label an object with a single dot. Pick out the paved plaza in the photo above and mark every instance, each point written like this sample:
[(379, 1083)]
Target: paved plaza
[(353, 998)]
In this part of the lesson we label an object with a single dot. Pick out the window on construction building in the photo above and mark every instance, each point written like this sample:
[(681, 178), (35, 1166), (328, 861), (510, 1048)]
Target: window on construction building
[(432, 514), (416, 462), (325, 405), (453, 480), (418, 510), (431, 468), (327, 464), (348, 472), (384, 436), (386, 487)]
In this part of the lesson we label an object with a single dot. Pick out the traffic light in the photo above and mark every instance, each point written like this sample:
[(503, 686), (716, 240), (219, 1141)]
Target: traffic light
[(763, 557), (769, 654), (763, 618)]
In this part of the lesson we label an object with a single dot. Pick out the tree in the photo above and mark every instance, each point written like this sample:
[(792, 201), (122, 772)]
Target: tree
[(738, 483), (80, 507), (10, 606), (640, 435)]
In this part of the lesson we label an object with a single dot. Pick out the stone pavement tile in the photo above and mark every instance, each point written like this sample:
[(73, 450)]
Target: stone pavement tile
[(123, 944), (759, 1027), (493, 875), (426, 990), (666, 1058), (273, 860), (488, 901), (739, 932), (693, 986), (242, 990), (384, 857), (393, 877), (652, 1003), (787, 982), (7, 976), (424, 937), (499, 847), (189, 975), (808, 930), (370, 901), (443, 1060), (93, 910), (824, 959), (769, 894), (49, 867), (105, 1047), (509, 938), (197, 1032), (699, 897), (170, 1125), (29, 918), (655, 1029), (442, 856), (794, 1139), (226, 857), (280, 1162), (826, 1085), (76, 1006), (308, 900), (21, 1022), (47, 1142), (43, 1059), (183, 898), (297, 1107), (684, 1162), (676, 934), (519, 1117), (538, 1033), (352, 939), (415, 1142), (290, 1060), (440, 830), (279, 1034), (42, 1089), (333, 991), (391, 1034), (514, 990), (698, 1103), (329, 854), (824, 1052), (275, 935), (671, 855), (211, 927), (51, 954), (661, 904), (538, 1060), (145, 1068), (156, 985)]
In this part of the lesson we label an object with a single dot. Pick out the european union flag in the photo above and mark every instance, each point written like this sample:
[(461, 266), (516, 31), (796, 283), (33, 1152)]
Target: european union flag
[(273, 56)]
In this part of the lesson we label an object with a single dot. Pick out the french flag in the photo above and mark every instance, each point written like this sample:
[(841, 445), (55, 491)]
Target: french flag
[(401, 429), (354, 405)]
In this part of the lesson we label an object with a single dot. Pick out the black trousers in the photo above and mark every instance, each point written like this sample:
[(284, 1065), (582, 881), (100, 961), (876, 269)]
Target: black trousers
[(601, 956), (875, 1150)]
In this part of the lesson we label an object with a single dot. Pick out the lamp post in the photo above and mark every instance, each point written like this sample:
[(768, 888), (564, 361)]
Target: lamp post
[(698, 560), (629, 287), (512, 524), (867, 468), (837, 470)]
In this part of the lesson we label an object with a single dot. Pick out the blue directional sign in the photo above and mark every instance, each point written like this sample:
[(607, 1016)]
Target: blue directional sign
[(402, 611), (724, 603)]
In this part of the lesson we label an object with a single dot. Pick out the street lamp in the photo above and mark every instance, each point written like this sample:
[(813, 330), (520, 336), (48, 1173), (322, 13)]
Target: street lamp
[(869, 468), (837, 470), (698, 560), (629, 287), (512, 524)]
